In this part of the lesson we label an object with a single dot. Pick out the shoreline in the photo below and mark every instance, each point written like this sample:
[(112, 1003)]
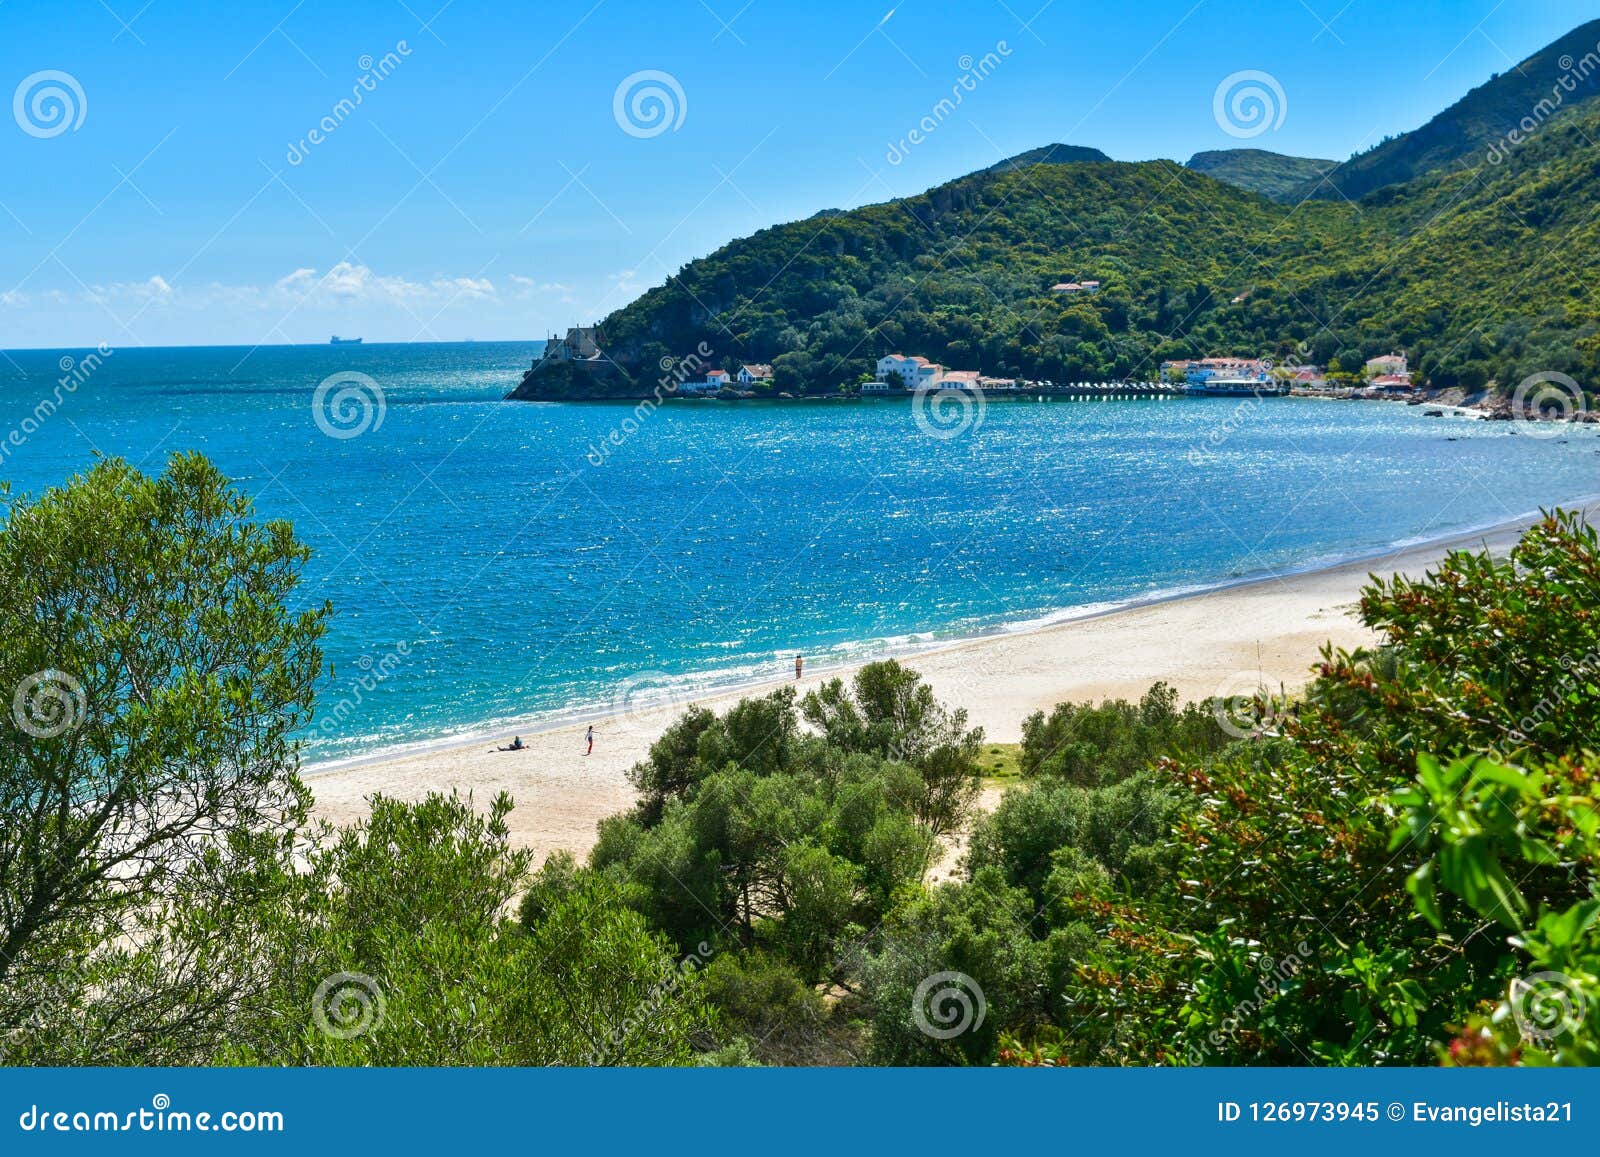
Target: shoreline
[(1221, 640), (691, 692)]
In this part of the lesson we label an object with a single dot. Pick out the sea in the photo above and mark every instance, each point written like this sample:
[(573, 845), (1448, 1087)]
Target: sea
[(498, 565)]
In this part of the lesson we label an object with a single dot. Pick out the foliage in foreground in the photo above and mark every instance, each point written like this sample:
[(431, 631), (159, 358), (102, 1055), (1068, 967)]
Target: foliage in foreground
[(1389, 868), (163, 898), (1399, 869), (155, 674), (1396, 869)]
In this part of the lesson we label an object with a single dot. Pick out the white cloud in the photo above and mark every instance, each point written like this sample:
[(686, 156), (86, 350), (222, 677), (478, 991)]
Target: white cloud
[(527, 286), (297, 282), (343, 284), (472, 287), (348, 282), (296, 302), (152, 289)]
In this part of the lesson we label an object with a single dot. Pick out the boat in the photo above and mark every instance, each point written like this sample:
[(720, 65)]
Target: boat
[(1235, 388), (337, 340)]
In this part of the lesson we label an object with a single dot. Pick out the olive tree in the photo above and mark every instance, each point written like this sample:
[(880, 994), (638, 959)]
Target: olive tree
[(155, 666)]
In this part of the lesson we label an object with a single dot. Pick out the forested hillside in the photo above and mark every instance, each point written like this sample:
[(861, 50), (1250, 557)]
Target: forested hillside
[(1560, 75), (1476, 269), (1479, 274), (1274, 175)]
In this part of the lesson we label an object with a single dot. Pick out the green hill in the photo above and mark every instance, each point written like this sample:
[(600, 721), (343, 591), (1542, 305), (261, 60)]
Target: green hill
[(1273, 175), (1552, 81), (1480, 273), (1048, 155)]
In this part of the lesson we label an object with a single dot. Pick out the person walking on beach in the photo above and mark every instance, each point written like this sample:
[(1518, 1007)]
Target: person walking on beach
[(591, 740), (799, 666)]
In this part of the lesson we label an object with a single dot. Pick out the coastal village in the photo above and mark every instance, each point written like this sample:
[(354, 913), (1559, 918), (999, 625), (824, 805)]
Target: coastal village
[(1387, 376)]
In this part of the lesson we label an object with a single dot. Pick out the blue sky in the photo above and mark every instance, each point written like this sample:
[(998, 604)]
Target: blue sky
[(489, 185)]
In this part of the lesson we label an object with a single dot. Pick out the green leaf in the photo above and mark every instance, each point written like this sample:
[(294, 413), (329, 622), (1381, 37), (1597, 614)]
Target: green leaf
[(1423, 890)]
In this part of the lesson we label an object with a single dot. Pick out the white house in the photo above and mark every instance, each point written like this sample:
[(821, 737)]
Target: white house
[(754, 372), (710, 384), (914, 372), (1385, 365)]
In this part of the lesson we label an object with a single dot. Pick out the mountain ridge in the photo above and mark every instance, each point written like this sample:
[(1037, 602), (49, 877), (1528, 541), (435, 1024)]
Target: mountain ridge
[(1188, 265), (1276, 176), (1537, 88), (1054, 154)]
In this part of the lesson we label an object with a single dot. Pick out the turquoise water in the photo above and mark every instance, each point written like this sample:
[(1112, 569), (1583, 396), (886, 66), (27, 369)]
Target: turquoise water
[(485, 571)]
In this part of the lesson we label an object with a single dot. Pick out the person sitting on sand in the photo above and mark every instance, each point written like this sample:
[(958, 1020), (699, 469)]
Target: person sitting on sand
[(514, 745)]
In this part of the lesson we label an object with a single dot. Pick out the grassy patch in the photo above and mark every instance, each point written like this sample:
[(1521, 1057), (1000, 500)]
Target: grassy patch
[(1001, 764)]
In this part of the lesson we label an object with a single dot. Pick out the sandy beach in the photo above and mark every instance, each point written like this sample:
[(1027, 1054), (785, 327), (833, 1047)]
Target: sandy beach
[(1225, 642)]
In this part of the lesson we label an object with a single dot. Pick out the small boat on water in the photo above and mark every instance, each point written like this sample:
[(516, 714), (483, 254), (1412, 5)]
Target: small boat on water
[(337, 340)]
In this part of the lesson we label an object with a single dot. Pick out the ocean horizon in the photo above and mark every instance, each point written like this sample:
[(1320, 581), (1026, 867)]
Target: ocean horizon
[(500, 564)]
